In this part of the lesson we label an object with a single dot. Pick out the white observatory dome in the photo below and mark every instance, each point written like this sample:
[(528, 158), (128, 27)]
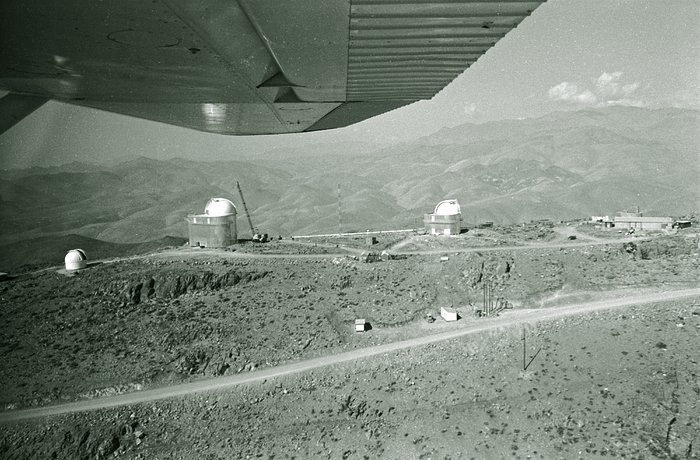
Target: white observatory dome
[(75, 259), (217, 207), (448, 208)]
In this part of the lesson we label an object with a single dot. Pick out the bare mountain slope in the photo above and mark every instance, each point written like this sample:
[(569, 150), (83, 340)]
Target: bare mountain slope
[(562, 165), (570, 163)]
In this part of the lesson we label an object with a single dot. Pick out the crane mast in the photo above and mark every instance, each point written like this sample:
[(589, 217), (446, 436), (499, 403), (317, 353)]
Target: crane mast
[(245, 208)]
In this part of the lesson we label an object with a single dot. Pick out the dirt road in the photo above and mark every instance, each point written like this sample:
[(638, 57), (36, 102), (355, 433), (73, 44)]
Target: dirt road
[(513, 318), (396, 249)]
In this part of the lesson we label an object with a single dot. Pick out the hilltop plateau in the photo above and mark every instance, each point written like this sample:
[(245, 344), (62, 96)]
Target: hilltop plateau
[(604, 383)]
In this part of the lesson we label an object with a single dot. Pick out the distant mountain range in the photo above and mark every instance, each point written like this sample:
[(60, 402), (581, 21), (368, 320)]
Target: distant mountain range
[(563, 165)]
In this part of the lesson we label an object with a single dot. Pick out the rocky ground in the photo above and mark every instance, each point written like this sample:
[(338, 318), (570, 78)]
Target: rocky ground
[(620, 384), (607, 384)]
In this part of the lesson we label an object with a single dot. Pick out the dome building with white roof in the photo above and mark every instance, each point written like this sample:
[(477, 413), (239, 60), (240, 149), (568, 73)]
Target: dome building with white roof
[(216, 228), (75, 259), (445, 220), (219, 207)]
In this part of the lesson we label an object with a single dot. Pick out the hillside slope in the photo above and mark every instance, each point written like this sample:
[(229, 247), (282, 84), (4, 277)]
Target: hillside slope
[(563, 165), (50, 250)]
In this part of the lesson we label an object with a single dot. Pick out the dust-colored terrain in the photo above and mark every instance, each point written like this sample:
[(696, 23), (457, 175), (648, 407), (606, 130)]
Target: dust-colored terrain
[(616, 384), (610, 383)]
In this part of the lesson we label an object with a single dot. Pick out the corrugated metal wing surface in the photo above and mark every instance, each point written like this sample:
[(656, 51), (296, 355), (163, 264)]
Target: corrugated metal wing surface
[(411, 49)]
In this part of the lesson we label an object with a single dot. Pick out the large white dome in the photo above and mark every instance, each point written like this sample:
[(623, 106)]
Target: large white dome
[(448, 208), (217, 207), (75, 259)]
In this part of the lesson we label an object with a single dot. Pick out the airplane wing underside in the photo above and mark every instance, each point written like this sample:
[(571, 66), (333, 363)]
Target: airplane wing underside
[(246, 66)]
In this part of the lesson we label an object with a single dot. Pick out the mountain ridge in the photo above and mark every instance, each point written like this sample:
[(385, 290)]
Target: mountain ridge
[(560, 166)]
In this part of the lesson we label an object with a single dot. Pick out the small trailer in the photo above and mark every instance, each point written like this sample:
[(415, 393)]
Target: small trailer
[(448, 314)]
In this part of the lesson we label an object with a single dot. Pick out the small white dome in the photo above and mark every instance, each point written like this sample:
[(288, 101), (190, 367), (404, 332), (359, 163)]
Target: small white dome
[(448, 208), (75, 259), (219, 207)]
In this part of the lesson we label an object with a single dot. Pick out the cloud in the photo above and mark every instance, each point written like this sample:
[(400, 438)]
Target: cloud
[(470, 109), (609, 90), (608, 84), (630, 88), (569, 92), (563, 91)]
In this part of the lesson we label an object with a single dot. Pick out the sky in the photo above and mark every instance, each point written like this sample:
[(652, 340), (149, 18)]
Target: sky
[(568, 55)]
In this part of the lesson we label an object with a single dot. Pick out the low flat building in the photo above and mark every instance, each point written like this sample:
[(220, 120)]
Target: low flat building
[(445, 220), (643, 223)]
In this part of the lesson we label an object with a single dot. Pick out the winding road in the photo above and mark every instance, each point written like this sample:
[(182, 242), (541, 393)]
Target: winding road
[(509, 319)]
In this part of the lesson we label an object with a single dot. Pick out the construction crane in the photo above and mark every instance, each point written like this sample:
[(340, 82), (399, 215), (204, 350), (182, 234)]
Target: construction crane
[(257, 238)]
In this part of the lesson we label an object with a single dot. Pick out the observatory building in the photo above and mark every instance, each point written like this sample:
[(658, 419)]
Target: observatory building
[(446, 220), (215, 228), (75, 260)]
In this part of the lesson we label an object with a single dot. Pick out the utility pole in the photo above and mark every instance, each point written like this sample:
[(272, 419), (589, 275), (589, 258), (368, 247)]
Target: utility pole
[(527, 363), (524, 359), (340, 227)]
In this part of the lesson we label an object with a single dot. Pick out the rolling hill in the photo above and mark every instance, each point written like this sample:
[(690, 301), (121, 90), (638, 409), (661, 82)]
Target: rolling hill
[(563, 165), (45, 251)]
